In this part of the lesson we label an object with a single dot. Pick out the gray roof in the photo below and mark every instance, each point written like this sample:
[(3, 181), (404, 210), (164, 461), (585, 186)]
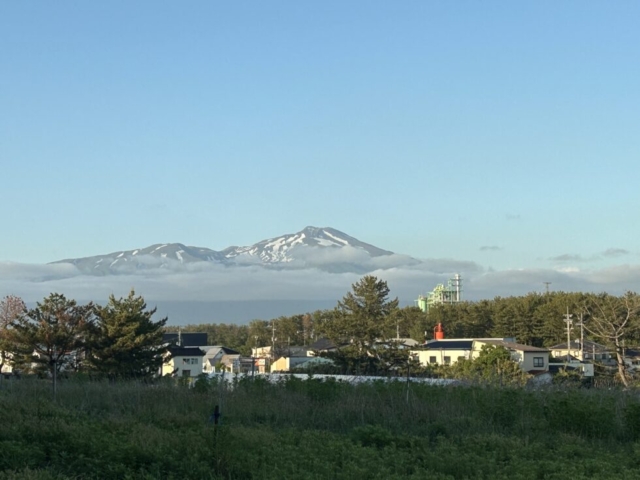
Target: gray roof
[(189, 339), (322, 344), (515, 346), (185, 351), (589, 346)]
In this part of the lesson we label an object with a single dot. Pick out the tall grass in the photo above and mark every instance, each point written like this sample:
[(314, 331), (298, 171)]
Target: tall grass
[(314, 429)]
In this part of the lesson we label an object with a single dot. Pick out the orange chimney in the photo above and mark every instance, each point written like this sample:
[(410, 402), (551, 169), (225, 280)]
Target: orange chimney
[(438, 332)]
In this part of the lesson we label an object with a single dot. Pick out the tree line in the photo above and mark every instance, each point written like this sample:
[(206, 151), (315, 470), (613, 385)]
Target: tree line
[(121, 339), (117, 340), (366, 315), (536, 319)]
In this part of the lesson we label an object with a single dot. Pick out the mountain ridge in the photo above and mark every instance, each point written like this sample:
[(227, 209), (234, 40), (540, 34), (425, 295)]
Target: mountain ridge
[(313, 247)]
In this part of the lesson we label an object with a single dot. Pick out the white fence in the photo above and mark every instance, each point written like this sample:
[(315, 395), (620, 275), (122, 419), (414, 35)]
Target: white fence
[(352, 379)]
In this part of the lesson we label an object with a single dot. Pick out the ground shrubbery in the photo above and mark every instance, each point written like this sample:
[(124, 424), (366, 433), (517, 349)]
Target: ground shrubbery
[(314, 429)]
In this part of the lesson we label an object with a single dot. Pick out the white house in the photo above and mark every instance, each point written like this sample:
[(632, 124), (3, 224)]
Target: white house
[(183, 362), (531, 359), (218, 356), (449, 351), (592, 351)]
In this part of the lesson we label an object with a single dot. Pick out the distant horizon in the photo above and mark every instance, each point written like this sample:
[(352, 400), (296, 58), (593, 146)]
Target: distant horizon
[(498, 141)]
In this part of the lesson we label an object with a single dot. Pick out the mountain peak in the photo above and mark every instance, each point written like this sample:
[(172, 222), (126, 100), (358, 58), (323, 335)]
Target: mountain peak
[(298, 250)]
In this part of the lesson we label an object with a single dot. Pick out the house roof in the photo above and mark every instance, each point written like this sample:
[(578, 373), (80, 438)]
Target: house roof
[(448, 345), (188, 339), (515, 346), (322, 344), (297, 351), (589, 346), (176, 351), (403, 342), (217, 349)]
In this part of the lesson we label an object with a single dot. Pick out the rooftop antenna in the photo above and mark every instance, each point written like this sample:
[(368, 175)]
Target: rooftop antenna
[(546, 287)]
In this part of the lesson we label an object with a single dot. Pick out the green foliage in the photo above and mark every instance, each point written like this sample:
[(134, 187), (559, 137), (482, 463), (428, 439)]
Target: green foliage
[(52, 335), (126, 342), (493, 366), (568, 377), (302, 430), (364, 315), (11, 308)]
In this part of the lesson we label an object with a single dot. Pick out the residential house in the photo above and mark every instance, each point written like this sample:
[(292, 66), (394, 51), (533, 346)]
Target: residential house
[(261, 352), (321, 345), (285, 364), (591, 351), (183, 362), (532, 360), (449, 351), (569, 362), (217, 357), (444, 352)]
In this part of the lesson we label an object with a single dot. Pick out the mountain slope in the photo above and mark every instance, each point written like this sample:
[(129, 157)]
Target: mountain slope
[(325, 248), (283, 248)]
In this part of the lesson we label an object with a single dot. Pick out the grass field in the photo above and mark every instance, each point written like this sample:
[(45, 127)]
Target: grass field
[(315, 430)]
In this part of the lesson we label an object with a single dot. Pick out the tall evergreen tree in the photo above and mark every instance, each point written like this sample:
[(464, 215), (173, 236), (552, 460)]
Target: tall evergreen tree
[(365, 314), (126, 342), (52, 335)]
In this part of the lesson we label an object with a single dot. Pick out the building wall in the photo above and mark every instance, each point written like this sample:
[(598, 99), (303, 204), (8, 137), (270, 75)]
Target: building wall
[(524, 359), (425, 356), (604, 357), (191, 364), (285, 364), (527, 360)]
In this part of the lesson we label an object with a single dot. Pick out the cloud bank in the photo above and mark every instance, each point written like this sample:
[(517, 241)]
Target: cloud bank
[(202, 281)]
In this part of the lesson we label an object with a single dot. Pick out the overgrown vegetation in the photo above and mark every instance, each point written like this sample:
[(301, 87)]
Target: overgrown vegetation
[(313, 429)]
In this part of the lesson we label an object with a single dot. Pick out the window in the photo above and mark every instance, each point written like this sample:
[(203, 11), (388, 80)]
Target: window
[(461, 358), (447, 360), (432, 359), (186, 373), (190, 361), (538, 361)]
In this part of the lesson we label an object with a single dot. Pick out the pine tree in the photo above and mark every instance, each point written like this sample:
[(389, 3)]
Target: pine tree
[(365, 315), (126, 342), (52, 335)]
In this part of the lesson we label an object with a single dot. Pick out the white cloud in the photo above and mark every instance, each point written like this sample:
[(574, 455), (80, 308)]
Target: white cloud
[(210, 282)]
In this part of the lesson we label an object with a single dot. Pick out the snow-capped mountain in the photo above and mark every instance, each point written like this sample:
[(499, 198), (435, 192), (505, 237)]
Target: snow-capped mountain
[(324, 248), (283, 249), (142, 258)]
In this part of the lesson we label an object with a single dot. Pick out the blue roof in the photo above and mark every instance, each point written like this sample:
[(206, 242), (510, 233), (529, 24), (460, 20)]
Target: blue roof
[(449, 345)]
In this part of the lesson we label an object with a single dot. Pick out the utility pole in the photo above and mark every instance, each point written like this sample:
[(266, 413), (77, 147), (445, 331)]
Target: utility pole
[(581, 323), (567, 319), (54, 360), (546, 287), (273, 338)]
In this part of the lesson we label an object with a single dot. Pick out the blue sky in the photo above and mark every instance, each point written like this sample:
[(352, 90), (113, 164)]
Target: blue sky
[(503, 133)]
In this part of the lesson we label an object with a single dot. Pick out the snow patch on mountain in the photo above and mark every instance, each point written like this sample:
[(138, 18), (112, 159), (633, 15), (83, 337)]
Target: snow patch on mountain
[(324, 248)]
